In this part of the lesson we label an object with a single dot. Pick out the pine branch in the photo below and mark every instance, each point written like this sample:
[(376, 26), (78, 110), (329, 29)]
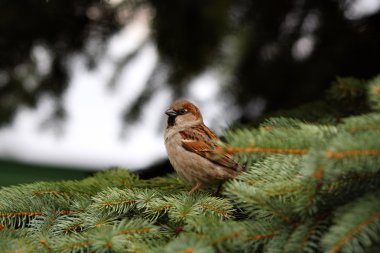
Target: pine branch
[(356, 226), (374, 93)]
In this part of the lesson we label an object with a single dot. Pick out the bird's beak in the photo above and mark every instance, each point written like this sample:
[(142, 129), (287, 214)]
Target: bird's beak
[(170, 112)]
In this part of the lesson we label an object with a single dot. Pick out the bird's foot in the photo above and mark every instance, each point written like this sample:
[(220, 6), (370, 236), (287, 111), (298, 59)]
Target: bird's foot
[(195, 187), (217, 192)]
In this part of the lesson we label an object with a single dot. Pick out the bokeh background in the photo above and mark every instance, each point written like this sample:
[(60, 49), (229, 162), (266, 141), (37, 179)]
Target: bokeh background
[(84, 83)]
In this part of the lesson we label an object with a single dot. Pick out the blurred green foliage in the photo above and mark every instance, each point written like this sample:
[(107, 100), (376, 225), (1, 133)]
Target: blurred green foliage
[(12, 172)]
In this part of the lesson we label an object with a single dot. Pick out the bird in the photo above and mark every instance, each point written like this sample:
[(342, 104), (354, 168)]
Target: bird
[(194, 150)]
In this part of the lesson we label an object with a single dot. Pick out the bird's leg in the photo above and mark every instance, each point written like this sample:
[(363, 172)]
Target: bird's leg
[(195, 187), (216, 193)]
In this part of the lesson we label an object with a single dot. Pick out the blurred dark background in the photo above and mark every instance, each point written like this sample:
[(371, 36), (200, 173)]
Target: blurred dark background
[(271, 54)]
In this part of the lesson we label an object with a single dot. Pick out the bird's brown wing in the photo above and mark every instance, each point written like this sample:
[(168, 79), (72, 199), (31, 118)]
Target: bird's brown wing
[(202, 141)]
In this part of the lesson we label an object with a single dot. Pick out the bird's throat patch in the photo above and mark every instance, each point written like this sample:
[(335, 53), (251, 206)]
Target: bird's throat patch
[(171, 121)]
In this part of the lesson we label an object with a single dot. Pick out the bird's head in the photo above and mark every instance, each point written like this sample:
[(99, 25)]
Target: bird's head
[(183, 113)]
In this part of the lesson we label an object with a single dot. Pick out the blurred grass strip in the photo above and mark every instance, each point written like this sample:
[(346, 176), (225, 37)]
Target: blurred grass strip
[(12, 172)]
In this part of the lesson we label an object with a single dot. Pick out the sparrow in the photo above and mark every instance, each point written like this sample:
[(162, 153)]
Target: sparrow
[(194, 150)]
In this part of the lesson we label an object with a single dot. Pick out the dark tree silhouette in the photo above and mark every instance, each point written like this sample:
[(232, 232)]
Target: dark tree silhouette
[(190, 37)]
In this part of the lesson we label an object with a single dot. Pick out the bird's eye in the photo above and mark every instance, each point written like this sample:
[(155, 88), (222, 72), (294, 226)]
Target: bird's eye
[(182, 111)]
